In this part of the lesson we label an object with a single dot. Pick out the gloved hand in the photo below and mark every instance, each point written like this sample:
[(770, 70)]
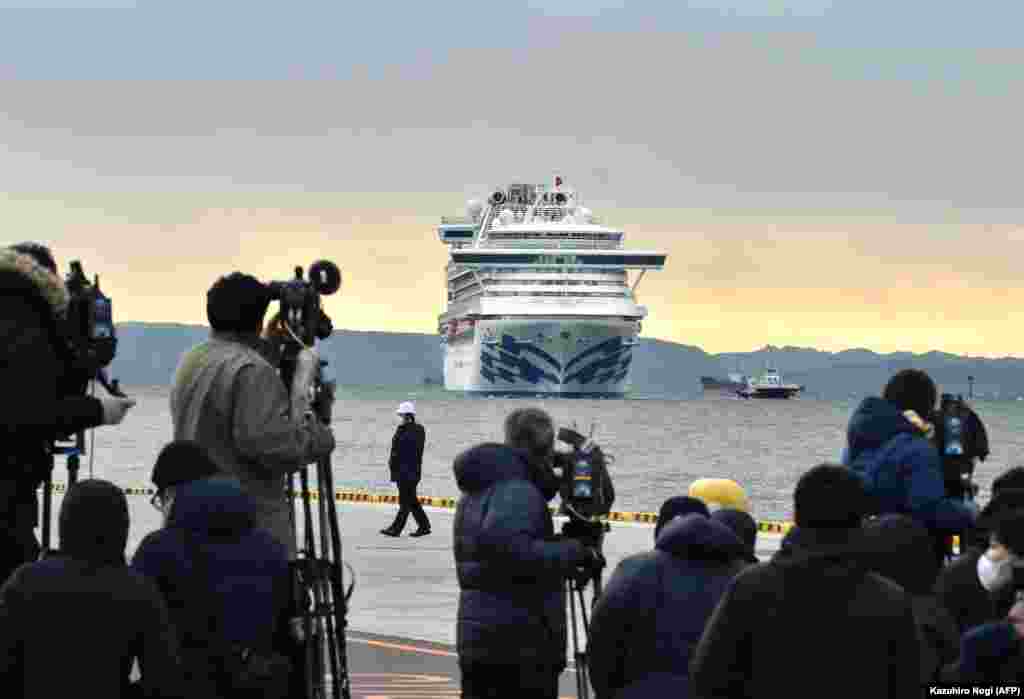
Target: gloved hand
[(114, 409)]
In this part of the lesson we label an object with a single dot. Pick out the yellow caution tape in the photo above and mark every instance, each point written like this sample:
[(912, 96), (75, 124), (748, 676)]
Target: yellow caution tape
[(364, 497)]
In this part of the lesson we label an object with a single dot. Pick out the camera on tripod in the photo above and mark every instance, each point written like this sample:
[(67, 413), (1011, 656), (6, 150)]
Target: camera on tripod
[(88, 329), (586, 489), (960, 438), (319, 597)]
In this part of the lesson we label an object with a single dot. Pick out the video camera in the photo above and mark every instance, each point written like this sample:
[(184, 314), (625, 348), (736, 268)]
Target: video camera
[(586, 488), (89, 331), (960, 438)]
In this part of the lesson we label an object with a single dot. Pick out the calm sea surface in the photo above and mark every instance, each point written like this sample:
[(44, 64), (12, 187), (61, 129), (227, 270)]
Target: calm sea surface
[(660, 446)]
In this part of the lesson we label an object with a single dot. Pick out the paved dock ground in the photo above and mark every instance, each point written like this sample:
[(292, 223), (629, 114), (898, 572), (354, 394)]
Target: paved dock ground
[(401, 621), (402, 615)]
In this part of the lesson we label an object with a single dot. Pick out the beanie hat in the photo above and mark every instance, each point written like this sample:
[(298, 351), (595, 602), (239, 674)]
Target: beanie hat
[(677, 506), (237, 303), (182, 462), (829, 496), (741, 524)]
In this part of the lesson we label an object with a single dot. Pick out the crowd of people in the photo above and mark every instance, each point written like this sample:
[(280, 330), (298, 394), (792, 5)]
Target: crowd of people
[(862, 598)]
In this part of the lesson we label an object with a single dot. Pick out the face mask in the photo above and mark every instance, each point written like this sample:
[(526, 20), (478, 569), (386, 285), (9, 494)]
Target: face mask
[(993, 574)]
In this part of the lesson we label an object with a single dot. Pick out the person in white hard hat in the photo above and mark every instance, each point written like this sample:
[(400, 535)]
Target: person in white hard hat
[(406, 464)]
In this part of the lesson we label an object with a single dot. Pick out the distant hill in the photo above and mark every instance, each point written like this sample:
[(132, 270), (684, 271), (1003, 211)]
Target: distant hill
[(149, 352)]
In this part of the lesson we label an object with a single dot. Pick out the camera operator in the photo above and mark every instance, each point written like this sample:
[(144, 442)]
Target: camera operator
[(889, 444), (45, 398), (228, 397), (511, 630)]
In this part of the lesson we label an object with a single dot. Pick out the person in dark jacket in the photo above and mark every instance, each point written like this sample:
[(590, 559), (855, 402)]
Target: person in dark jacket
[(742, 525), (243, 582), (889, 445), (35, 366), (406, 464), (899, 548), (73, 623), (813, 620), (512, 569), (958, 587), (652, 613)]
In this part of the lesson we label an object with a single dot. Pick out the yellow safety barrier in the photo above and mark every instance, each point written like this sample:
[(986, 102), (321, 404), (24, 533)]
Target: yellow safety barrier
[(362, 496)]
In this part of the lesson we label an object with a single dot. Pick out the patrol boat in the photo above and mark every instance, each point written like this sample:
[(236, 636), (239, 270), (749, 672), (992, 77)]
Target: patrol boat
[(769, 385), (539, 297)]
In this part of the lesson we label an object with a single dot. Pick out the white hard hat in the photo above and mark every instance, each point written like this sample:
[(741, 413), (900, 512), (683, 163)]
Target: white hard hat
[(406, 408)]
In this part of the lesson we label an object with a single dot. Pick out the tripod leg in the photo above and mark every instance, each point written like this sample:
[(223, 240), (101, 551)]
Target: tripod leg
[(581, 680), (47, 506), (340, 606)]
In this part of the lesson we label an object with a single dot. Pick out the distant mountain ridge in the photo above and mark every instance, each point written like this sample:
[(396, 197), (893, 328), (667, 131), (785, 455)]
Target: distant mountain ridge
[(148, 354)]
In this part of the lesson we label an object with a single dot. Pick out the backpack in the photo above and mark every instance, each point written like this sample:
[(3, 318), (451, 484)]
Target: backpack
[(236, 672)]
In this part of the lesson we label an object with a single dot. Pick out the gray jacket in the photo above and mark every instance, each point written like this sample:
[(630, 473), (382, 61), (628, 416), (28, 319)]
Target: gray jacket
[(230, 400)]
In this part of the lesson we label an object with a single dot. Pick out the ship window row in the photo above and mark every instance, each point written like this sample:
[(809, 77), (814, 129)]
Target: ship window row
[(553, 282), (537, 235), (592, 294)]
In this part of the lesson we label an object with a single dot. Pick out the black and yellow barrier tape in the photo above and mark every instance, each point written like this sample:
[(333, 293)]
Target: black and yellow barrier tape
[(364, 497)]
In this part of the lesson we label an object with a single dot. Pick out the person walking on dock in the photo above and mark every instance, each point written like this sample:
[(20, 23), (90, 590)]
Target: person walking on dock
[(406, 464)]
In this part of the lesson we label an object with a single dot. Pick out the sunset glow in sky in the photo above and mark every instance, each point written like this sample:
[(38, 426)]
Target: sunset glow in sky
[(821, 174)]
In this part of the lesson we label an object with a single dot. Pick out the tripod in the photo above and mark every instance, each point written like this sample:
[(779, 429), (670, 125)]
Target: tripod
[(319, 593), (592, 534), (73, 448)]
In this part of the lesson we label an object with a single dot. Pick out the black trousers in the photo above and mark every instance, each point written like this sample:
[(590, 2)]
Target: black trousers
[(486, 681), (409, 504)]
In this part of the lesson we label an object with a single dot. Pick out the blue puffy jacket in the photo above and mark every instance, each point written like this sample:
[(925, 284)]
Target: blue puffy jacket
[(248, 582), (901, 467), (511, 567), (653, 612)]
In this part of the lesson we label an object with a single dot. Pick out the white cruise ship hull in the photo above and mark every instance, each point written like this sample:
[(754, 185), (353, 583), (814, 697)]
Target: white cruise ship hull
[(586, 357)]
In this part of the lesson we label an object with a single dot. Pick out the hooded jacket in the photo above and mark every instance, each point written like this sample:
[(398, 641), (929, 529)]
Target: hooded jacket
[(812, 620), (72, 624), (511, 567), (39, 404), (229, 399), (899, 548), (246, 581), (653, 611), (901, 467)]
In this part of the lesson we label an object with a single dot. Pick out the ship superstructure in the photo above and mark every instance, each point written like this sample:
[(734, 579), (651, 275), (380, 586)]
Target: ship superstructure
[(539, 296)]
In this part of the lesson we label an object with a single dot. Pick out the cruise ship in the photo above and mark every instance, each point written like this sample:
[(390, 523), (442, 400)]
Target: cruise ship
[(539, 297)]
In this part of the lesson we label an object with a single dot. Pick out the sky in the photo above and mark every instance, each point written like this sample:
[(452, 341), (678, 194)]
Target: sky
[(830, 175)]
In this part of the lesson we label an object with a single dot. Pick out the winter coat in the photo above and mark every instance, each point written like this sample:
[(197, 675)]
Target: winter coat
[(511, 567), (812, 621), (958, 590), (653, 611), (43, 399), (73, 623), (229, 399), (406, 459), (901, 468), (246, 584), (900, 549)]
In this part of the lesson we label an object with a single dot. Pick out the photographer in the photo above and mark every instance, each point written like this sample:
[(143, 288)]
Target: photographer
[(45, 397), (511, 629), (228, 397), (889, 444)]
